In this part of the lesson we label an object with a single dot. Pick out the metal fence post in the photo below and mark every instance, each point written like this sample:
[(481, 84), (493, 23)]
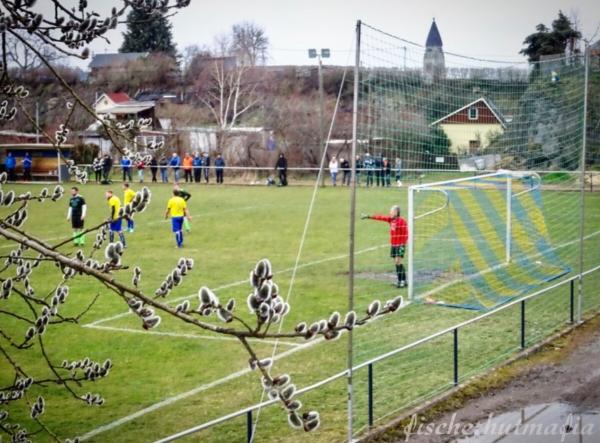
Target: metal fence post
[(370, 394), (455, 357), (523, 324), (249, 426), (572, 302)]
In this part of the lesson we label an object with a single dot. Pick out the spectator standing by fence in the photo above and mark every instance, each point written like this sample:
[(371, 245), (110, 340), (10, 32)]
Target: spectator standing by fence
[(369, 165), (187, 167), (281, 168), (206, 166), (333, 170), (387, 172), (345, 167), (153, 169), (126, 168), (359, 167), (140, 165), (174, 164), (27, 163), (163, 164), (219, 167), (10, 164), (197, 165), (398, 169), (107, 167), (97, 167)]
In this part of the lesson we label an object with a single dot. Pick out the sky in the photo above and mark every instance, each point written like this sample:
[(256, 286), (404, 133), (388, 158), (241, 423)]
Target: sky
[(485, 29)]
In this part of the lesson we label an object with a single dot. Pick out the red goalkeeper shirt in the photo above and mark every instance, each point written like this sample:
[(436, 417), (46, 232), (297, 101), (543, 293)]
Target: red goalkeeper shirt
[(398, 229)]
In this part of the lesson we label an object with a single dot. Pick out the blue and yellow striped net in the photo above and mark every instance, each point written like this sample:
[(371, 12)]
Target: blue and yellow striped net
[(461, 254)]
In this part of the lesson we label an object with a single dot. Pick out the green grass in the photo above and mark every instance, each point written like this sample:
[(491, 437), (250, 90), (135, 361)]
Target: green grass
[(232, 228)]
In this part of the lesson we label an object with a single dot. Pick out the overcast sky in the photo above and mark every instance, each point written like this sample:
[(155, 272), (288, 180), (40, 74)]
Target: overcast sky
[(490, 29)]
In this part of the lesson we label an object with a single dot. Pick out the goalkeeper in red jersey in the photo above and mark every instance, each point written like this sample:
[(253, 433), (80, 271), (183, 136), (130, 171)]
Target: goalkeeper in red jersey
[(398, 239)]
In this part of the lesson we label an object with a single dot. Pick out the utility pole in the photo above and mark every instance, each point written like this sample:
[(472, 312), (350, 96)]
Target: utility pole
[(37, 122), (325, 53)]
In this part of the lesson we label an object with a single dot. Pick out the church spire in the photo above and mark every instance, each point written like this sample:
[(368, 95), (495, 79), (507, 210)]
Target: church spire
[(433, 38)]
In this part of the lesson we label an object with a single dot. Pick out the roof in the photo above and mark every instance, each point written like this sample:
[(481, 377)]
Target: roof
[(108, 60), (492, 107), (33, 146), (434, 38), (596, 45), (129, 107), (118, 97)]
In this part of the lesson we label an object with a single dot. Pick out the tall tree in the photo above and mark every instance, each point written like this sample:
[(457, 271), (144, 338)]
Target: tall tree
[(148, 33), (551, 41), (249, 43)]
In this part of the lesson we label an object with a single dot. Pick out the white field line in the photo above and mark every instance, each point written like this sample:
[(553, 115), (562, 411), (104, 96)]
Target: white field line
[(170, 400), (181, 335), (13, 245), (239, 283)]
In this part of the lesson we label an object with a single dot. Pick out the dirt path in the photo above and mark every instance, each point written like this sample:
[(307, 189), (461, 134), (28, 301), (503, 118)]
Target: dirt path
[(566, 371)]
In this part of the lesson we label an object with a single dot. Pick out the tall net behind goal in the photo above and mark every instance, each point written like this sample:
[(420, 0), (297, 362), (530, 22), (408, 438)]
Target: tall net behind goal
[(427, 117), (484, 160)]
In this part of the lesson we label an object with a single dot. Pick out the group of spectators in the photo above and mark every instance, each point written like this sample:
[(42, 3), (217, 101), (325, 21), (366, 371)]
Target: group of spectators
[(10, 166), (377, 170), (196, 168), (193, 169)]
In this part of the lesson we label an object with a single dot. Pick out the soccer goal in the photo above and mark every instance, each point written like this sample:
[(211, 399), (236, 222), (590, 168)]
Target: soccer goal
[(478, 242)]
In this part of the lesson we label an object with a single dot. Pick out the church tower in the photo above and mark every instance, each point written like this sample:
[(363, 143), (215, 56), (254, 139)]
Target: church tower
[(434, 66)]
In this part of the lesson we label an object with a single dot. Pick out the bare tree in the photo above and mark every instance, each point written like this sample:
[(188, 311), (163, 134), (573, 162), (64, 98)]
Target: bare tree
[(25, 59), (249, 43), (228, 93)]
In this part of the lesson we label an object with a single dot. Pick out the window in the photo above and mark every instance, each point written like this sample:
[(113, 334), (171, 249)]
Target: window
[(474, 145), (473, 113)]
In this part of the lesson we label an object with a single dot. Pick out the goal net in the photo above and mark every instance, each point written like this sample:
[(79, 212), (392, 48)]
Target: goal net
[(479, 242)]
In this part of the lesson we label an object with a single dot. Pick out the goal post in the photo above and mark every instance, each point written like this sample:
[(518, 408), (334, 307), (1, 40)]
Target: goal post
[(477, 241)]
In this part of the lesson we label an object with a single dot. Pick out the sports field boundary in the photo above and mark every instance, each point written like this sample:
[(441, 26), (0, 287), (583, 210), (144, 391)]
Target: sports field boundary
[(370, 363), (171, 400)]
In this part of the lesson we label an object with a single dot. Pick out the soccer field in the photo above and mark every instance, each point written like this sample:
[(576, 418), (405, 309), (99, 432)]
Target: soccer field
[(177, 376)]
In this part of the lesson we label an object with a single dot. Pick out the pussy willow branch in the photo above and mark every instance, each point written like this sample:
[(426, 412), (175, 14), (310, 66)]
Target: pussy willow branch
[(110, 281)]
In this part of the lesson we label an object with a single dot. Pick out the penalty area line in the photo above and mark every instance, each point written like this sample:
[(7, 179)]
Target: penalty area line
[(182, 335), (239, 283)]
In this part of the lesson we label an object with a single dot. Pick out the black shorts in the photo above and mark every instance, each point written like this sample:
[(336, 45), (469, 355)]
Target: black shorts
[(76, 223), (397, 251)]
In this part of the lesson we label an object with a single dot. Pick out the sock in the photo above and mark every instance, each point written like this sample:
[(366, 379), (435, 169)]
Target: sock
[(399, 272), (402, 273), (179, 238), (75, 238), (122, 238), (130, 223), (81, 238), (111, 236)]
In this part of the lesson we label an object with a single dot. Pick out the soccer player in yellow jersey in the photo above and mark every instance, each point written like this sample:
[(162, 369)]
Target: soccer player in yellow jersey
[(128, 196), (115, 221), (177, 208)]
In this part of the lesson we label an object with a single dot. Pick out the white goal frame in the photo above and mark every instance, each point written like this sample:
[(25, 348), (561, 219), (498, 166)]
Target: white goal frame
[(439, 187)]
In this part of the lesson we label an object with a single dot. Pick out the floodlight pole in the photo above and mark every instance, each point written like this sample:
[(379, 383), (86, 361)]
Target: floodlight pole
[(582, 181), (508, 216), (352, 226), (321, 114), (324, 53)]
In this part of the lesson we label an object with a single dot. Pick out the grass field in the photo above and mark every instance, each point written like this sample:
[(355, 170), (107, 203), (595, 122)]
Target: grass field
[(176, 376)]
